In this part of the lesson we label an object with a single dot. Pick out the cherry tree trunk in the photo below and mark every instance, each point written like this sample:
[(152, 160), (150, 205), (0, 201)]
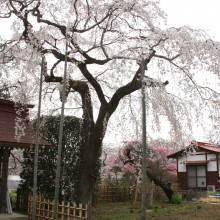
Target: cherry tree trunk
[(151, 194), (88, 174), (135, 196), (136, 192), (165, 187)]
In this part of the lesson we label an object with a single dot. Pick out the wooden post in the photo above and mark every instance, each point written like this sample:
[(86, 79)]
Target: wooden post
[(48, 209), (80, 211), (74, 209), (63, 211), (44, 210), (4, 154), (68, 211), (89, 211)]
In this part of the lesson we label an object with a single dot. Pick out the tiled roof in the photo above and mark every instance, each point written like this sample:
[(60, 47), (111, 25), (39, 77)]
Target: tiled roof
[(202, 146), (209, 147), (8, 116), (175, 154)]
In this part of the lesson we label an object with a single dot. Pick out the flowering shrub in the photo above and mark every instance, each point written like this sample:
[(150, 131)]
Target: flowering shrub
[(114, 171), (128, 163), (158, 156)]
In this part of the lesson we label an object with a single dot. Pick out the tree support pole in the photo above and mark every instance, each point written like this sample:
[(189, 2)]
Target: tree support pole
[(34, 207), (59, 160), (144, 148)]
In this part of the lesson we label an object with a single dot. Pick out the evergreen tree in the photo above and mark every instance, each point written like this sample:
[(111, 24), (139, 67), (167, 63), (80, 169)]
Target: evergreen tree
[(72, 148)]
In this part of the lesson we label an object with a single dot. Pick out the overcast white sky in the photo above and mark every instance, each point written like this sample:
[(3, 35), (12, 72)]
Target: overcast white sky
[(202, 14), (199, 14)]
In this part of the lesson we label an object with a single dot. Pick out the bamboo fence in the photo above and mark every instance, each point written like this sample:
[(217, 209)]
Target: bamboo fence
[(66, 210), (114, 194)]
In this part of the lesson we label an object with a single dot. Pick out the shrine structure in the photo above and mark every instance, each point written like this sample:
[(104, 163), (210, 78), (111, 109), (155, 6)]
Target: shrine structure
[(16, 132)]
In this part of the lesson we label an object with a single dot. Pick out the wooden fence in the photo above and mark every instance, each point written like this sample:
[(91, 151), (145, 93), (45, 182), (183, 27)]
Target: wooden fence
[(65, 211), (114, 194), (106, 194), (22, 201)]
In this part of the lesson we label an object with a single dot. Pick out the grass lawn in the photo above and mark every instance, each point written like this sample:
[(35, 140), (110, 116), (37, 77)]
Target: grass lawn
[(185, 211), (114, 211)]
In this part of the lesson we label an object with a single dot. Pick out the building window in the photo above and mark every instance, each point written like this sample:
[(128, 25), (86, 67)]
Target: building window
[(196, 176)]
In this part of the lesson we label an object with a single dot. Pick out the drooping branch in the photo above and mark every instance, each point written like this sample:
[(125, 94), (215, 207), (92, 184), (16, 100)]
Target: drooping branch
[(6, 53), (15, 160)]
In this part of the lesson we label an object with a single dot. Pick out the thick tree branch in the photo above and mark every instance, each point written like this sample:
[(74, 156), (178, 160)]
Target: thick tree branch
[(83, 89), (93, 82), (132, 86)]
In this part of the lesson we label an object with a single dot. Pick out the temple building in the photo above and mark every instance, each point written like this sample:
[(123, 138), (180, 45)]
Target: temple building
[(16, 132)]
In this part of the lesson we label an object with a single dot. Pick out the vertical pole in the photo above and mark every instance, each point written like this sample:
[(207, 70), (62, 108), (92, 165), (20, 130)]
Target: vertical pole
[(3, 182), (144, 148), (34, 207), (57, 181)]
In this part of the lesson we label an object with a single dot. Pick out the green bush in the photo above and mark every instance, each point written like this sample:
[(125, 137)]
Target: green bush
[(13, 196), (211, 193), (177, 199)]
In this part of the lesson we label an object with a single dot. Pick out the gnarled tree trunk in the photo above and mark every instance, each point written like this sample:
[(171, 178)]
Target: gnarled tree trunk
[(165, 187), (89, 163)]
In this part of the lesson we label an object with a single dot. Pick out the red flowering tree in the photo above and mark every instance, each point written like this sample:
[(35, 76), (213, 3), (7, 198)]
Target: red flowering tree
[(163, 168), (115, 171), (159, 169)]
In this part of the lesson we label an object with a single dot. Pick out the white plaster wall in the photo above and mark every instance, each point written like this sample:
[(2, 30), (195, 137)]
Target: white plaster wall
[(212, 165), (181, 165), (183, 159), (195, 157)]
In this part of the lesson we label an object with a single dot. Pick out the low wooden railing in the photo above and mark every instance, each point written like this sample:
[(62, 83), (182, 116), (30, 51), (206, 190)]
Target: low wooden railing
[(65, 211)]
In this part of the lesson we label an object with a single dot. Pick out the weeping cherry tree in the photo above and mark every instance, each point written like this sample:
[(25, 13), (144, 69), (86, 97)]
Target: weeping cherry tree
[(106, 42)]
